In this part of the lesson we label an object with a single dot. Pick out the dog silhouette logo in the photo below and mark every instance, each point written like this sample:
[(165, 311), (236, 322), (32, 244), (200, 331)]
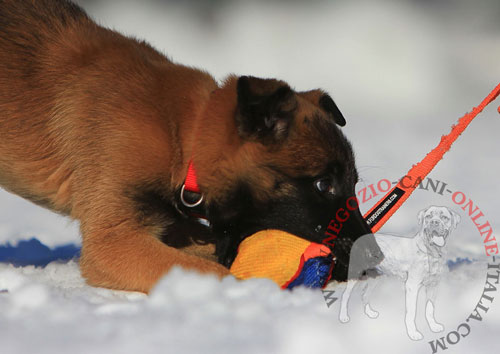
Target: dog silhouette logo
[(419, 260)]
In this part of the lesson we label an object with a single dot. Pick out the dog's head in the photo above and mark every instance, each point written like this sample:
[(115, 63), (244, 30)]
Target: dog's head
[(436, 223), (273, 158)]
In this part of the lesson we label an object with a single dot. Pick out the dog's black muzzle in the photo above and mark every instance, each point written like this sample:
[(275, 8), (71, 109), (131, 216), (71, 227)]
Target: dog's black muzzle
[(356, 249), (314, 224)]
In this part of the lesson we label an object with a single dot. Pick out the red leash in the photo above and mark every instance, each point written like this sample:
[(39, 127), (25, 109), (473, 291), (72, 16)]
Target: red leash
[(387, 206)]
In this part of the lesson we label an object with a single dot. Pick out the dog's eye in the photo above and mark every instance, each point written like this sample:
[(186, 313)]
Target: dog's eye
[(324, 185), (445, 218)]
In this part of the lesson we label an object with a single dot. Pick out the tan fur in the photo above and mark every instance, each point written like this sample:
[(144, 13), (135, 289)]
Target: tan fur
[(101, 110), (86, 112)]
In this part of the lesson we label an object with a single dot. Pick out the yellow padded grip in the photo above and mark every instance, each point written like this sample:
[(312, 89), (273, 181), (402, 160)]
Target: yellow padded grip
[(271, 254)]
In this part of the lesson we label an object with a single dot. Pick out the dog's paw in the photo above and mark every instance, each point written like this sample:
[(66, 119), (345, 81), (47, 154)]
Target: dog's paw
[(436, 327), (344, 318), (415, 335), (370, 312)]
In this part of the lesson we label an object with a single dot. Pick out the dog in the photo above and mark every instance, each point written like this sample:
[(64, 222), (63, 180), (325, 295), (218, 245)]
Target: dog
[(417, 260), (160, 163)]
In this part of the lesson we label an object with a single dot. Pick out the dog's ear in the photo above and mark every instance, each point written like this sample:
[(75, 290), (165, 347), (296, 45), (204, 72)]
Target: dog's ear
[(421, 215), (265, 109), (326, 103), (455, 218)]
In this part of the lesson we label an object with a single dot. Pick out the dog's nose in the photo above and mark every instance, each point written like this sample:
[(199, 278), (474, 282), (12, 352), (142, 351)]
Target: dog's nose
[(435, 222)]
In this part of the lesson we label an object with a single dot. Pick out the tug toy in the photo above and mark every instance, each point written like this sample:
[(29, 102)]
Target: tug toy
[(286, 259), (291, 261)]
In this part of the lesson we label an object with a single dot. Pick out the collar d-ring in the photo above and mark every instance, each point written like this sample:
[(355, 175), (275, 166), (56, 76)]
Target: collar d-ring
[(187, 204)]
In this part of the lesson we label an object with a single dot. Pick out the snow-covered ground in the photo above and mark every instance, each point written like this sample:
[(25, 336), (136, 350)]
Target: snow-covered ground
[(402, 72)]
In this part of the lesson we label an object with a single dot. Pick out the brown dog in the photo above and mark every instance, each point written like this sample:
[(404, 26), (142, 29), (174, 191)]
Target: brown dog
[(102, 128)]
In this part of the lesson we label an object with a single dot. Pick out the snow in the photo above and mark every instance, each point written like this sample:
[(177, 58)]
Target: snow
[(402, 72), (51, 310)]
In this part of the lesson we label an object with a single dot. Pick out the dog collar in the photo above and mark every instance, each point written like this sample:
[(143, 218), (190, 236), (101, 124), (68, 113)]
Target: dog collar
[(191, 185), (192, 198)]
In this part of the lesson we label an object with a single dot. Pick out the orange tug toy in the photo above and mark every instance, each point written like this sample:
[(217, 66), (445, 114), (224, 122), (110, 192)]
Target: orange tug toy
[(290, 261), (286, 259)]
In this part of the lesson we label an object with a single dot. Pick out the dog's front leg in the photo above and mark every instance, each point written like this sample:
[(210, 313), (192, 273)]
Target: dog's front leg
[(430, 292), (413, 284), (368, 288), (344, 302), (129, 258)]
